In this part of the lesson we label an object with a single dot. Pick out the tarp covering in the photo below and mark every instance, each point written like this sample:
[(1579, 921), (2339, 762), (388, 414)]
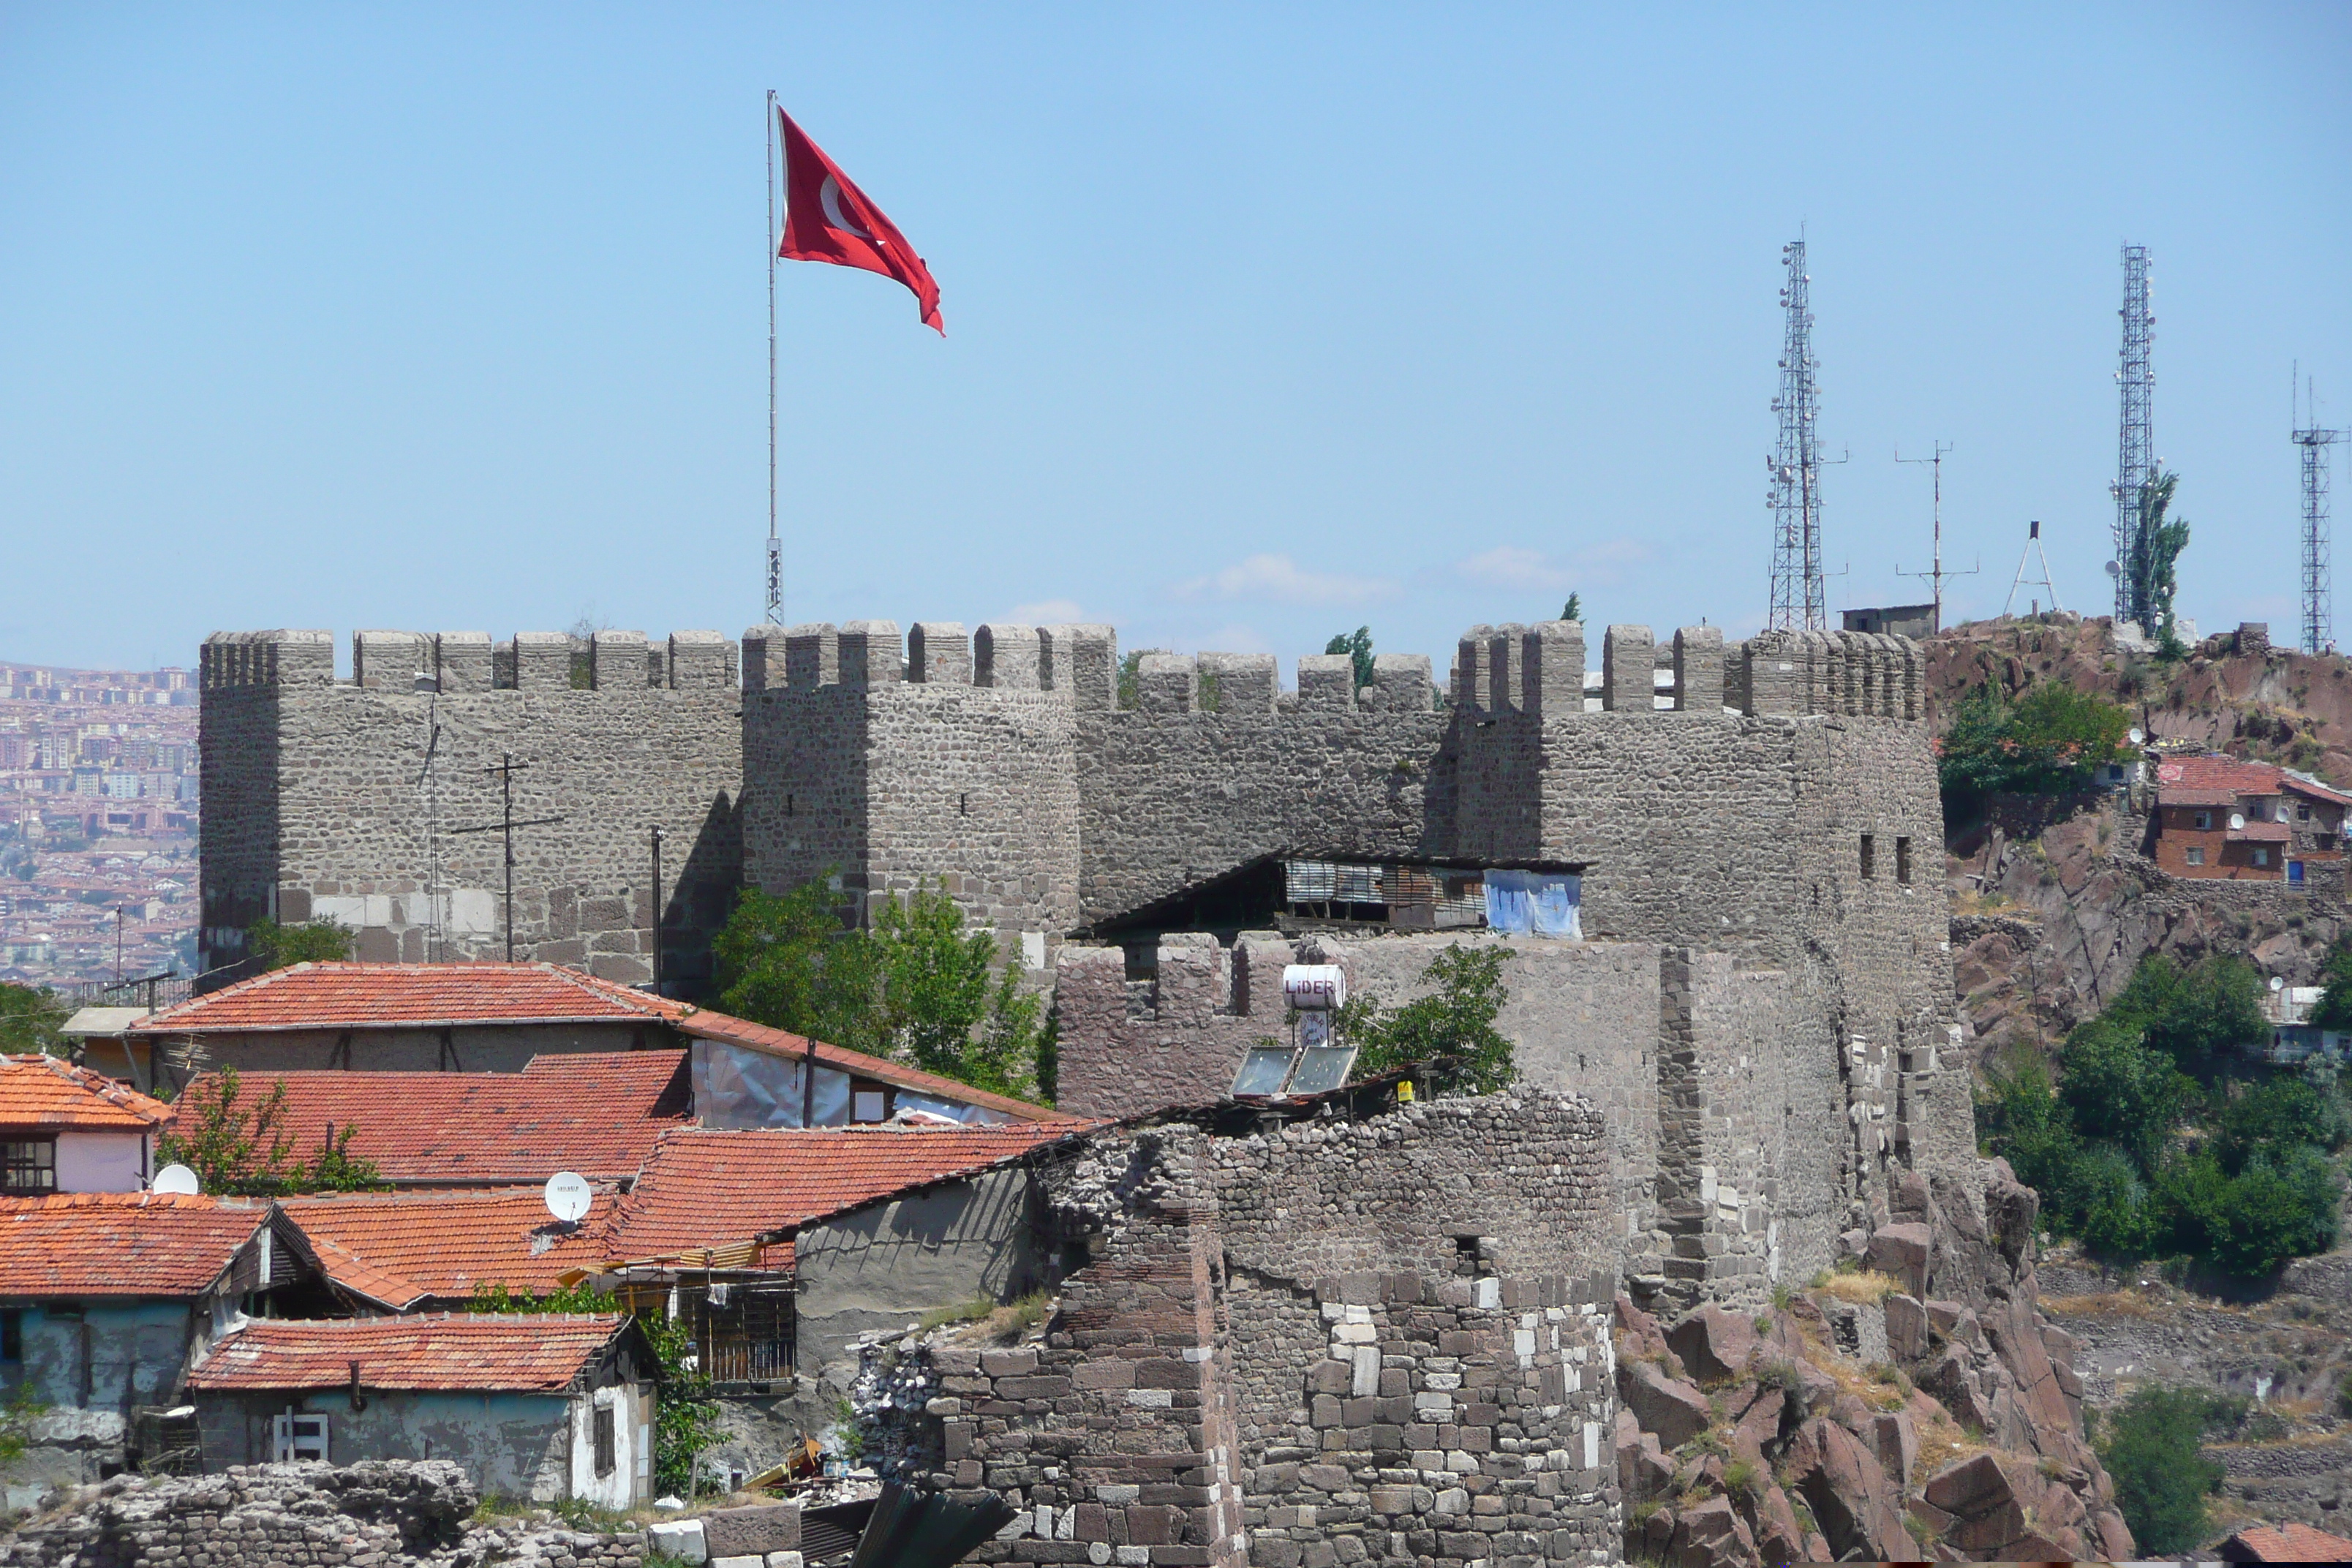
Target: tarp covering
[(1539, 903), (735, 1088)]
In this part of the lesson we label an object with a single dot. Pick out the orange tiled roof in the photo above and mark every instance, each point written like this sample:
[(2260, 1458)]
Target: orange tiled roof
[(705, 1188), (2219, 773), (2291, 1543), (595, 1112), (2260, 833), (400, 1248), (502, 1354), (409, 997), (731, 1030), (50, 1092), (120, 1244)]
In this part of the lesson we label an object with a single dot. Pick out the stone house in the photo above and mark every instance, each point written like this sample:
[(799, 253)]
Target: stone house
[(64, 1129), (2217, 817), (105, 1298), (548, 1408)]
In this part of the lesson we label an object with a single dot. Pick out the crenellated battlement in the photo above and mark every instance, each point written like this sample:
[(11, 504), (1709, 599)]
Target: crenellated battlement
[(1540, 672), (1079, 663), (451, 662)]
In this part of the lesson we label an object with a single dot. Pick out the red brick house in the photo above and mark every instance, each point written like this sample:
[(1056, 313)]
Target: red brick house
[(2217, 817)]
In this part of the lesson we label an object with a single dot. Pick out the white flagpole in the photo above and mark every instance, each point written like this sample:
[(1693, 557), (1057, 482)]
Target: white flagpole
[(775, 605)]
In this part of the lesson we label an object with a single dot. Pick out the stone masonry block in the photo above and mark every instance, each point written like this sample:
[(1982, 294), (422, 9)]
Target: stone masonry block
[(939, 652), (1245, 682), (1007, 658), (616, 661), (462, 660), (1472, 669), (1506, 679), (542, 661), (813, 655), (388, 661), (764, 657), (1698, 669), (1401, 684), (701, 661), (1553, 669), (870, 653), (1327, 680), (1628, 662), (1090, 654), (1166, 683)]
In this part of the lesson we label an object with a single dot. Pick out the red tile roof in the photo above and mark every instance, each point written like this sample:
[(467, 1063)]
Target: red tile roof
[(120, 1244), (595, 1112), (707, 1189), (2182, 796), (50, 1092), (505, 1353), (410, 997), (725, 1027), (2219, 773), (2260, 833), (2287, 1543), (400, 1248)]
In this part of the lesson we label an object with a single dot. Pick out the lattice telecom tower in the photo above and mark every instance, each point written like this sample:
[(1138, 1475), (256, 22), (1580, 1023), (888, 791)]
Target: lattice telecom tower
[(2136, 450), (2318, 575), (1796, 498)]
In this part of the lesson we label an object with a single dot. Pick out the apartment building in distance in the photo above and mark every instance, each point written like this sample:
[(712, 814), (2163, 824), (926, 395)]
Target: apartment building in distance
[(2218, 817)]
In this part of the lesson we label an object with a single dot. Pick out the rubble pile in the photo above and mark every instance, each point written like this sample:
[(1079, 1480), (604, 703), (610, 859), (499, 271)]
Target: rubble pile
[(895, 1382), (387, 1512), (1877, 1416)]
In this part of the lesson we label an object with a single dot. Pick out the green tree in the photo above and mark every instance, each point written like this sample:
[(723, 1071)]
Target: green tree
[(2154, 553), (247, 1152), (32, 1018), (917, 988), (2120, 1091), (279, 946), (1456, 1020), (2050, 740), (2162, 1477), (1358, 645), (2198, 1017), (1574, 609), (2334, 1009)]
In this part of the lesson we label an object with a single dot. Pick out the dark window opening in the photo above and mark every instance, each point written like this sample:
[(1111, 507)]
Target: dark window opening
[(12, 1336), (964, 806), (2303, 814), (788, 805), (2204, 820), (28, 1166), (604, 1431), (1869, 857), (1903, 861), (871, 1101), (1465, 1256)]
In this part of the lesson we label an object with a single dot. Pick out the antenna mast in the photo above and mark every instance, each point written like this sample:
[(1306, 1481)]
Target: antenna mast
[(2135, 453), (2318, 573), (2032, 550), (1795, 464), (775, 605), (1936, 573)]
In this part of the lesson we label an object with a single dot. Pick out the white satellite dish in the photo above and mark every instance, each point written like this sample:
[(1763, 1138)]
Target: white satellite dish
[(2237, 820), (177, 1179), (2278, 981), (569, 1196), (2136, 736)]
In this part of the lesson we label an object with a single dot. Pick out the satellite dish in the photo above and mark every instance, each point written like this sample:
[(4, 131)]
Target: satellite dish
[(2113, 570), (569, 1196), (2137, 737), (176, 1179), (2237, 820), (2278, 981)]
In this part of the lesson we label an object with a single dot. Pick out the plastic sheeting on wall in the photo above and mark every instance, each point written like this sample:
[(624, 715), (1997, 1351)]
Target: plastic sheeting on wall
[(1539, 903), (738, 1088)]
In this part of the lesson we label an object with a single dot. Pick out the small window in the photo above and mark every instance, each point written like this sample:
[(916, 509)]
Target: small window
[(2324, 840), (2196, 855), (602, 1428), (296, 1438), (868, 1101), (2262, 856), (2204, 821), (1869, 857), (28, 1166), (2303, 814), (12, 1337)]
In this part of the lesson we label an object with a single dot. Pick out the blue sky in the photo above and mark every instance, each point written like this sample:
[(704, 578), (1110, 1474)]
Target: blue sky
[(1263, 323)]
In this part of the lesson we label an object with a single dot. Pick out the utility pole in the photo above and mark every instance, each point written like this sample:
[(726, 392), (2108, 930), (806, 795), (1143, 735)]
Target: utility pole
[(1936, 573), (2136, 460), (658, 913), (2318, 568), (506, 767)]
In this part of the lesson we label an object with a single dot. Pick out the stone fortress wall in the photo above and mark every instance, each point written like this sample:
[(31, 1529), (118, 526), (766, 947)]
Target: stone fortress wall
[(340, 798), (1761, 1007)]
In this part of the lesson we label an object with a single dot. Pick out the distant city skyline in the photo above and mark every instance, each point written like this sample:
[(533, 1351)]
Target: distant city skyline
[(1261, 327)]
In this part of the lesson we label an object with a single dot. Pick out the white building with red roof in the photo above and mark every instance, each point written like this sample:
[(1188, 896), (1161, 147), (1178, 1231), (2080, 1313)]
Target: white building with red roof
[(64, 1129)]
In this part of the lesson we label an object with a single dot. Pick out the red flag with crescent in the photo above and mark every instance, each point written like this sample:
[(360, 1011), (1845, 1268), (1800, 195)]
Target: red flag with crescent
[(827, 218)]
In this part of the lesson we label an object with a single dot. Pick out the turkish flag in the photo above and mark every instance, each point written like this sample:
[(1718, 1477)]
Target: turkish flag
[(827, 218)]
